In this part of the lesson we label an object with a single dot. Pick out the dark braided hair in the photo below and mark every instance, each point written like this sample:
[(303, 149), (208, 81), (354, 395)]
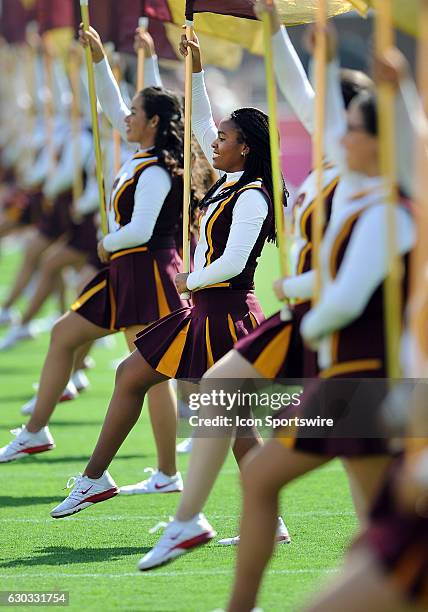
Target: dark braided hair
[(253, 129), (170, 132)]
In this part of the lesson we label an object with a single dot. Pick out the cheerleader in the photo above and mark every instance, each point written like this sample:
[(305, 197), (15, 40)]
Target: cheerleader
[(236, 221), (347, 329), (274, 349), (137, 287), (387, 566)]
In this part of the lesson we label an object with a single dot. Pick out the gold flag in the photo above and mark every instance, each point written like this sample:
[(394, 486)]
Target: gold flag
[(248, 32)]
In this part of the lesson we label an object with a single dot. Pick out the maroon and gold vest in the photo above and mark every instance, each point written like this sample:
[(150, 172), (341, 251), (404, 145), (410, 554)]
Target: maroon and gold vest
[(123, 195), (217, 231)]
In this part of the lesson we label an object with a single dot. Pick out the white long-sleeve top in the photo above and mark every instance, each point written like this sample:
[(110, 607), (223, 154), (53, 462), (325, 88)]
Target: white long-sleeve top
[(364, 267), (154, 183), (249, 212), (296, 88)]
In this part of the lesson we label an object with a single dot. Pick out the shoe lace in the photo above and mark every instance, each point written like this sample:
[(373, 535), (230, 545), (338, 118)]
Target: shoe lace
[(14, 444), (161, 525), (72, 483), (150, 470)]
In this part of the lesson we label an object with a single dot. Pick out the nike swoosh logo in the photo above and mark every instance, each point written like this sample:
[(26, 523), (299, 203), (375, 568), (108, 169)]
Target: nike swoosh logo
[(84, 492), (176, 537), (157, 486)]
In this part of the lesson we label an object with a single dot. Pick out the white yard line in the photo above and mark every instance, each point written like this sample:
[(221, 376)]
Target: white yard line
[(158, 517), (154, 574)]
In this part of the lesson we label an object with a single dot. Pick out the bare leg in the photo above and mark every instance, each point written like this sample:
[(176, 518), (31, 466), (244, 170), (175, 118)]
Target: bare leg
[(50, 271), (80, 354), (163, 417), (208, 454), (134, 377), (366, 475), (36, 246), (69, 333), (265, 472), (362, 585)]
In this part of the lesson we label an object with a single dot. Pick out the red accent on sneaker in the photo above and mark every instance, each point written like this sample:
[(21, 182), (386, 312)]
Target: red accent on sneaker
[(37, 449), (203, 538), (99, 497)]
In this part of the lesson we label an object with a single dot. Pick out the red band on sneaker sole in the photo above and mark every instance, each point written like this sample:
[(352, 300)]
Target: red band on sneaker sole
[(99, 497), (38, 449), (203, 538)]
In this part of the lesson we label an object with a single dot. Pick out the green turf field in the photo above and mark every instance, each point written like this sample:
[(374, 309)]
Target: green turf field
[(94, 554)]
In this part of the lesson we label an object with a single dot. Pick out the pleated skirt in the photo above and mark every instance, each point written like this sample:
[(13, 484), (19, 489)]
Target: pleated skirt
[(137, 288), (188, 342)]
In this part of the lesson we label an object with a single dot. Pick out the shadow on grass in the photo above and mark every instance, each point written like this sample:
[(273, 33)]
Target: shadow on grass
[(64, 555), (7, 501), (48, 458), (14, 398)]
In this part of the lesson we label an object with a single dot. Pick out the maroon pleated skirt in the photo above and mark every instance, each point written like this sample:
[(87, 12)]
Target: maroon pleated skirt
[(353, 401), (399, 541), (24, 208), (83, 238), (55, 220), (137, 288), (189, 341), (276, 350)]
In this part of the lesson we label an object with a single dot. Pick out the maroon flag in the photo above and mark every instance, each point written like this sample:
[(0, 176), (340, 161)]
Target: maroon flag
[(52, 14), (13, 20), (235, 8)]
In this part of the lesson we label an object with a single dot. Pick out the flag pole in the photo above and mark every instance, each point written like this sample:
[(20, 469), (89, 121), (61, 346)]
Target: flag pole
[(419, 259), (49, 111), (275, 153), (386, 96), (143, 24), (187, 153), (95, 126), (318, 141), (74, 67)]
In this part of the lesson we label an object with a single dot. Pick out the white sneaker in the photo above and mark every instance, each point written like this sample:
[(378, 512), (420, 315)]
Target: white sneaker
[(86, 492), (157, 483), (185, 446), (26, 443), (8, 316), (80, 380), (282, 536), (179, 538), (69, 393), (16, 334)]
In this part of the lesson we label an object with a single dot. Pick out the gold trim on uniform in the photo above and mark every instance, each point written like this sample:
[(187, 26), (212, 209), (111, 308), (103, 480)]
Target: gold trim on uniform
[(163, 306), (87, 295), (232, 328), (350, 367), (169, 363), (214, 217), (210, 358), (126, 184), (128, 251), (270, 359)]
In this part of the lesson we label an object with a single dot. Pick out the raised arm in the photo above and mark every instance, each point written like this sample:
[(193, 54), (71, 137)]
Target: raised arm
[(203, 125), (290, 74)]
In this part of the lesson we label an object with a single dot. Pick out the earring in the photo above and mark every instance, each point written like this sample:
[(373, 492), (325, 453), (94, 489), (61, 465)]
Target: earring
[(242, 153)]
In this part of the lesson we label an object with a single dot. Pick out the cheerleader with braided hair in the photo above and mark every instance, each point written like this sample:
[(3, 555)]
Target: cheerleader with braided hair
[(236, 220)]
